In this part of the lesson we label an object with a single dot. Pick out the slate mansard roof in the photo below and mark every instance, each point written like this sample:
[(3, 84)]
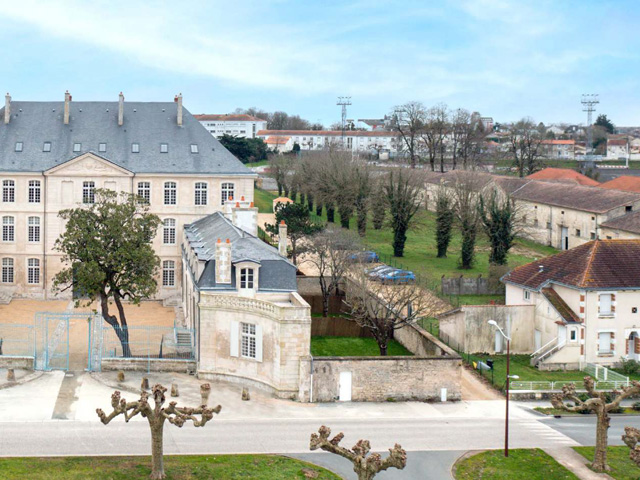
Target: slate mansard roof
[(600, 264), (91, 123), (276, 272)]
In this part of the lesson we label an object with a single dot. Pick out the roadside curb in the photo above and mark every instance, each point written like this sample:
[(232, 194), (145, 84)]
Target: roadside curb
[(307, 462), (462, 457), (27, 378), (115, 385)]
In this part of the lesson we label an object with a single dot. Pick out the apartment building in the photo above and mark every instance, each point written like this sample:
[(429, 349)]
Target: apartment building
[(237, 125)]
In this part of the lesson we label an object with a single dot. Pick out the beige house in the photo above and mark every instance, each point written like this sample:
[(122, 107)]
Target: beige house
[(53, 155), (576, 307)]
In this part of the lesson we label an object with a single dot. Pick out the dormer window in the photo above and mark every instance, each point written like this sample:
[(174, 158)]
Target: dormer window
[(77, 147), (46, 147), (246, 278), (18, 146), (164, 148), (102, 147), (135, 148), (194, 148)]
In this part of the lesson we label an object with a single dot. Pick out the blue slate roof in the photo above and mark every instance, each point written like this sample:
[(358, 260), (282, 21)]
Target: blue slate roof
[(91, 123), (276, 272)]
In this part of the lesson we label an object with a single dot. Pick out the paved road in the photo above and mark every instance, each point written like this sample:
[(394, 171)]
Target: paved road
[(582, 429)]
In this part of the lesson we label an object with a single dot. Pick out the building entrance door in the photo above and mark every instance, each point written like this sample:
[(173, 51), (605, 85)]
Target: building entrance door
[(565, 239)]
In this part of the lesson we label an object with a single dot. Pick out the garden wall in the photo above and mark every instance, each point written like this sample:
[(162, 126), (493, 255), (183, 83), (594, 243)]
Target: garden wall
[(379, 379), (153, 365), (337, 327), (25, 362)]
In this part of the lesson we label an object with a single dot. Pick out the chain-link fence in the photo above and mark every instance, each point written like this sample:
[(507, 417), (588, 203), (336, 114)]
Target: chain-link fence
[(149, 342)]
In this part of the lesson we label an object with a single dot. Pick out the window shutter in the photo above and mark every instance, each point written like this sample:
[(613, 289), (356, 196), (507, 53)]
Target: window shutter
[(234, 341), (613, 303), (613, 342), (259, 343), (636, 345)]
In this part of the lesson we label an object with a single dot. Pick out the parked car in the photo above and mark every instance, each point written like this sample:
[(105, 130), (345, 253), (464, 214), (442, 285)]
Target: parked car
[(377, 275), (398, 276), (375, 269), (365, 257)]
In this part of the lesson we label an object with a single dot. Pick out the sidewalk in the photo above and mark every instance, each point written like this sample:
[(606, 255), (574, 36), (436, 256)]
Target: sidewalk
[(575, 462)]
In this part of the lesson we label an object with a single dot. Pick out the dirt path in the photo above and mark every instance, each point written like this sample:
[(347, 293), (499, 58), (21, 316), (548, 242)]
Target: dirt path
[(474, 389)]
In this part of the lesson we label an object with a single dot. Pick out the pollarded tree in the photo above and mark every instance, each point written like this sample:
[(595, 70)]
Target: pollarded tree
[(498, 218), (596, 403), (157, 415), (404, 196), (465, 201), (106, 247), (299, 224), (630, 438), (444, 220), (366, 467), (378, 207)]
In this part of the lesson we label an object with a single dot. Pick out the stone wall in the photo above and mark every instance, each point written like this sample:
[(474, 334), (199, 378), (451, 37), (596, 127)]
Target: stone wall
[(25, 363), (379, 379), (143, 365)]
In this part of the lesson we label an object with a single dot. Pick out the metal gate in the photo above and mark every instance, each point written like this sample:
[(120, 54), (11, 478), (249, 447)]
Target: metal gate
[(51, 339), (95, 343)]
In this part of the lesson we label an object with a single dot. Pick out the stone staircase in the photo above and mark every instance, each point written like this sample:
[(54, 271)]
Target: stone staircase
[(5, 297)]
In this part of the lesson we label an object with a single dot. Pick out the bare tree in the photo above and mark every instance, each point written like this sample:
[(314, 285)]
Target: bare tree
[(366, 467), (408, 120), (444, 220), (281, 169), (467, 137), (597, 403), (434, 134), (156, 417), (404, 197), (383, 308), (525, 147), (331, 252)]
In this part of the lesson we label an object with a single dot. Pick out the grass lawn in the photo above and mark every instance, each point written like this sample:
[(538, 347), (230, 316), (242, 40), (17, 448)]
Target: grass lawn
[(256, 467), (263, 199), (420, 248), (529, 464), (257, 164), (352, 347), (622, 468), (431, 325)]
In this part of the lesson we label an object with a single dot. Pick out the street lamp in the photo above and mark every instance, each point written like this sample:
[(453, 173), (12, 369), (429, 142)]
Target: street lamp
[(493, 323)]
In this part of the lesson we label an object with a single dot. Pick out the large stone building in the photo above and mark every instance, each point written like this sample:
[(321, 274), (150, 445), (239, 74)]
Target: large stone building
[(53, 155)]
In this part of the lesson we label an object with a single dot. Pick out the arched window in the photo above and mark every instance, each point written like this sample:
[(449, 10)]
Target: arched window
[(33, 271), (169, 231), (201, 193), (8, 229), (168, 273), (170, 193), (7, 270), (227, 191)]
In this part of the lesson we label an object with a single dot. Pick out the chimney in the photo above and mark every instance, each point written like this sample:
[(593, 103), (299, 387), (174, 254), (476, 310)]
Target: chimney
[(282, 239), (120, 109), (178, 100), (223, 262), (540, 268), (7, 108), (67, 99)]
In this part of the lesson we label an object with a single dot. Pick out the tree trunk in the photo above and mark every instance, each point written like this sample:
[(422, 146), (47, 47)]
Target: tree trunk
[(602, 429), (325, 305), (383, 349), (399, 239), (157, 463), (319, 209), (294, 257), (331, 209), (361, 216), (122, 332), (279, 189)]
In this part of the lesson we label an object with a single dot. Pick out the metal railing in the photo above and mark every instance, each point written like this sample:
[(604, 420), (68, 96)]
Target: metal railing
[(150, 342), (17, 340), (601, 373), (542, 386)]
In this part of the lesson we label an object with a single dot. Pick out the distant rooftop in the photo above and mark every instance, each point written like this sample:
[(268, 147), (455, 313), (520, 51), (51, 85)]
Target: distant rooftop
[(563, 175), (227, 117)]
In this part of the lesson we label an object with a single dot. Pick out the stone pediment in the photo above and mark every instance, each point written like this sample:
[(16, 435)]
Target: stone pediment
[(89, 164)]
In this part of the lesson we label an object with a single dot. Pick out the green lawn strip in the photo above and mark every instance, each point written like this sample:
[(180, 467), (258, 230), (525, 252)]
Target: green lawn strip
[(479, 299), (529, 464), (352, 347), (556, 411), (622, 468), (263, 199), (261, 163), (201, 467)]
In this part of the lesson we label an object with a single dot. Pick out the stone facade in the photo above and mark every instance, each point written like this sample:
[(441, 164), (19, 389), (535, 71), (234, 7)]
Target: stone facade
[(144, 365)]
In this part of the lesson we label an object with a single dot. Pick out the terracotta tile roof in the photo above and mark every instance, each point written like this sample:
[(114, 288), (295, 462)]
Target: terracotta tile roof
[(628, 223), (594, 265), (563, 174), (575, 197), (559, 142), (565, 311), (228, 118), (277, 140), (626, 183), (329, 133), (617, 142)]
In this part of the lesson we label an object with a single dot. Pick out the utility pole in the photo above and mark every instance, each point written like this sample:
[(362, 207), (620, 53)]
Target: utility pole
[(343, 101), (589, 101)]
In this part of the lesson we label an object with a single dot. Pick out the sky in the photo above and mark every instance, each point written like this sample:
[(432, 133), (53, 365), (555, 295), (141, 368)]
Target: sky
[(505, 59)]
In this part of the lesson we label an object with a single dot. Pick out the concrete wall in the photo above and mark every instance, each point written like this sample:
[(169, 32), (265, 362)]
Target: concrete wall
[(468, 328), (470, 286), (378, 379), (25, 363), (153, 365), (420, 342)]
